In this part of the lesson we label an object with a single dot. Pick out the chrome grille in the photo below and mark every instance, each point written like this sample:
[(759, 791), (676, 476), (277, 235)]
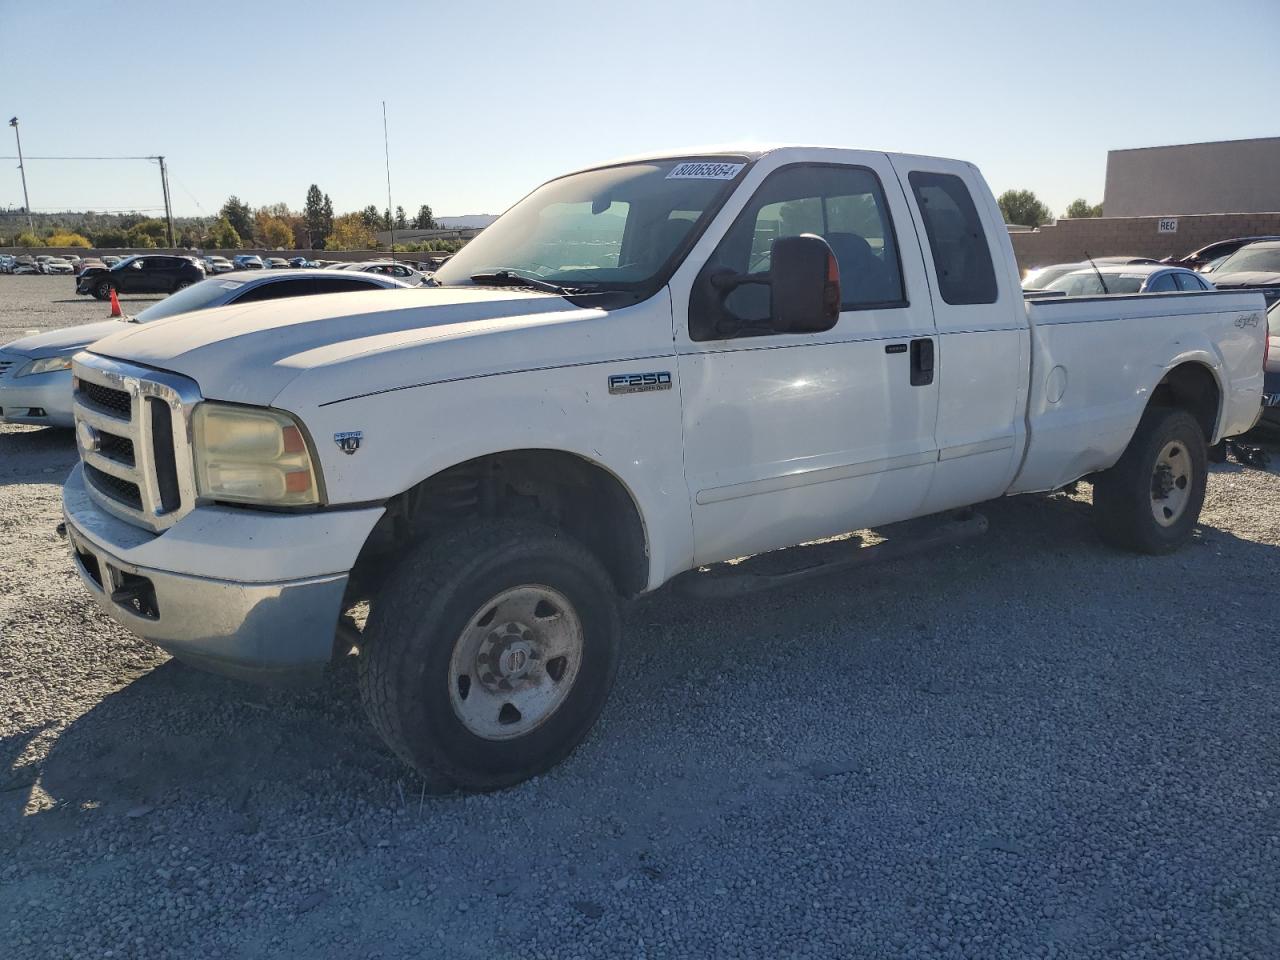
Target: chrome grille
[(133, 431)]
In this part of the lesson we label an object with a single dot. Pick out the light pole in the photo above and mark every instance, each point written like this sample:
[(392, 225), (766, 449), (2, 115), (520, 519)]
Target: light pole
[(13, 122)]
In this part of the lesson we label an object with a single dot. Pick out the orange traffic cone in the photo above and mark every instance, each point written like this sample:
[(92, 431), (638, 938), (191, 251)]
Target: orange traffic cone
[(115, 304)]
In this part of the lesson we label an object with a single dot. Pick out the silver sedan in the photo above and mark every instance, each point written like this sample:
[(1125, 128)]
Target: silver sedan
[(35, 372)]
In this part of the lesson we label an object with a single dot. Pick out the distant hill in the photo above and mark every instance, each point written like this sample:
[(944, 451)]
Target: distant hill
[(470, 220)]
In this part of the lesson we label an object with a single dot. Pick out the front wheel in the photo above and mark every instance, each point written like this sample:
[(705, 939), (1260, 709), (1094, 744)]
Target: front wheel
[(489, 653), (1150, 500), (182, 285), (102, 291)]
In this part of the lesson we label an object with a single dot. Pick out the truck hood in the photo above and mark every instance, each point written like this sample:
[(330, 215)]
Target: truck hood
[(51, 343), (249, 353)]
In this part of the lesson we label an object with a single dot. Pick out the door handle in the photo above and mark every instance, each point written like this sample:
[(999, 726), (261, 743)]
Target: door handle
[(922, 362)]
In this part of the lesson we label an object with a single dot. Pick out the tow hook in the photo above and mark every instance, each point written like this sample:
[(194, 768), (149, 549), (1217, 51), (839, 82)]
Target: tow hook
[(61, 530)]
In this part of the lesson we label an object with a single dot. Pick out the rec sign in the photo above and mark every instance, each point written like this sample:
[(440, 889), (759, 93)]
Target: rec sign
[(1167, 225)]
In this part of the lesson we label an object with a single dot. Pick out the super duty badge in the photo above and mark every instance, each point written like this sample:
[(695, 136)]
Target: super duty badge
[(639, 382)]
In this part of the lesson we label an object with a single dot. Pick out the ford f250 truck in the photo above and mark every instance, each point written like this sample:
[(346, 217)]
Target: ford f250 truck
[(641, 369)]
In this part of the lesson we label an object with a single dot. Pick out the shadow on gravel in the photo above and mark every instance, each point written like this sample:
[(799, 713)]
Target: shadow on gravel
[(36, 455), (948, 634)]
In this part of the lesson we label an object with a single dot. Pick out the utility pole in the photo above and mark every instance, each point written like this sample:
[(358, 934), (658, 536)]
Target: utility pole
[(13, 122), (168, 207)]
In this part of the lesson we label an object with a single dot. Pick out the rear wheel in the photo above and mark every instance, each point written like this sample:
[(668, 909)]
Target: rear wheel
[(490, 653), (182, 285), (1150, 500)]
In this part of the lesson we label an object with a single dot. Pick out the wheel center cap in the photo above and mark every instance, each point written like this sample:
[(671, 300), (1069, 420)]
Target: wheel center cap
[(514, 661), (1162, 484)]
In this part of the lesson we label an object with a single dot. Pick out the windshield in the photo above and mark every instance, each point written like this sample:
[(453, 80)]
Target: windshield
[(1038, 279), (1264, 259), (1087, 284), (617, 228), (123, 263), (198, 296)]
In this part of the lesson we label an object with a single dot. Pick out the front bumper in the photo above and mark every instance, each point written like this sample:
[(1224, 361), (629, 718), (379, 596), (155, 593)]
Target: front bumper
[(43, 399), (278, 630)]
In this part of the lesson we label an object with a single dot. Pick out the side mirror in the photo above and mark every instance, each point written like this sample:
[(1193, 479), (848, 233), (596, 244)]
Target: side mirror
[(804, 281)]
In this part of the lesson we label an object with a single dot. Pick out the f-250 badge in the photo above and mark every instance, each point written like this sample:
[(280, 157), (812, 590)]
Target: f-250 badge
[(349, 441), (639, 382)]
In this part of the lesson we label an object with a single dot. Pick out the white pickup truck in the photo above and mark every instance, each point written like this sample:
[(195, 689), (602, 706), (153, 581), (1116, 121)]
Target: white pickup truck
[(641, 369)]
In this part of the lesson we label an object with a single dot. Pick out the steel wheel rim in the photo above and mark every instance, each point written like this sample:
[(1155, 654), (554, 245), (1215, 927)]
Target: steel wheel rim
[(515, 662), (1171, 483)]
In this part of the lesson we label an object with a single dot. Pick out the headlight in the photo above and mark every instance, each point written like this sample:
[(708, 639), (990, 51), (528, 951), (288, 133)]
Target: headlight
[(252, 455), (47, 365)]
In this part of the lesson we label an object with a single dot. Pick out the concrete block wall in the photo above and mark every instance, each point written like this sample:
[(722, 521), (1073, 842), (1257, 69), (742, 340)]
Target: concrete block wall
[(1067, 241)]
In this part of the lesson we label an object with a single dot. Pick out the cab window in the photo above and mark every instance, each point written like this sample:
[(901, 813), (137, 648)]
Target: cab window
[(843, 205), (961, 257)]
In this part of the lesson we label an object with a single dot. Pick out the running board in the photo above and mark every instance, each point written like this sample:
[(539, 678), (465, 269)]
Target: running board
[(724, 581)]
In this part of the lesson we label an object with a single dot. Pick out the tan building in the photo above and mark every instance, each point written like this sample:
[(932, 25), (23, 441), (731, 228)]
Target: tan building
[(1228, 176)]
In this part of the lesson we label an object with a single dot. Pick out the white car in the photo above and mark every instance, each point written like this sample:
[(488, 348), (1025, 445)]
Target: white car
[(214, 265), (1088, 281), (58, 265), (639, 370), (35, 371)]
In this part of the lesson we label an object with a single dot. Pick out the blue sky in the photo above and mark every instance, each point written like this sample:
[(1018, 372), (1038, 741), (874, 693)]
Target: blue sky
[(487, 99)]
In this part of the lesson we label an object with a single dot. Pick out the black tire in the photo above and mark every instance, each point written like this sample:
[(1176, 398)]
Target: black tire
[(420, 613), (182, 285), (102, 290), (1125, 498)]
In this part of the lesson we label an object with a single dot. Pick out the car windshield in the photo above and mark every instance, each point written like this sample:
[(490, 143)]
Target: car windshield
[(198, 296), (123, 263), (1088, 285), (1038, 279), (1265, 259), (616, 228)]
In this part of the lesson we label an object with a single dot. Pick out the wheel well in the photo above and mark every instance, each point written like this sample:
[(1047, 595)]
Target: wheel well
[(1191, 387), (562, 489)]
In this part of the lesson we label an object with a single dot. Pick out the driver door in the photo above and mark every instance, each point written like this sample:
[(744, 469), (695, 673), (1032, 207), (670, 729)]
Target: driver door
[(793, 437)]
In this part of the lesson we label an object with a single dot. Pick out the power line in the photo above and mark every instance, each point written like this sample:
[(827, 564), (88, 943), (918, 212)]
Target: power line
[(81, 158)]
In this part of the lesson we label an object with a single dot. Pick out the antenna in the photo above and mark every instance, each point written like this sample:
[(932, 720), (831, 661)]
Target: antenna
[(386, 144), (1091, 263)]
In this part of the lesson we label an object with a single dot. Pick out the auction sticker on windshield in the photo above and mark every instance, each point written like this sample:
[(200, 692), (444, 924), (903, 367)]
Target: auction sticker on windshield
[(704, 170)]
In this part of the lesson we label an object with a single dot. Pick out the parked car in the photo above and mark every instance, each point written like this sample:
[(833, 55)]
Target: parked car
[(247, 261), (35, 371), (1268, 284), (302, 263), (275, 263), (1037, 278), (111, 261), (1211, 255), (1261, 256), (1123, 259), (1131, 278), (388, 268), (26, 264), (215, 264), (576, 412), (7, 261), (149, 273), (90, 263), (57, 265)]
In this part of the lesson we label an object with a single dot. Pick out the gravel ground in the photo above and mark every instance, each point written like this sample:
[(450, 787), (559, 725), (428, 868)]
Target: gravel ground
[(1027, 746)]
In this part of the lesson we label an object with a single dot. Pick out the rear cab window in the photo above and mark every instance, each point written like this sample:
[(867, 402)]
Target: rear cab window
[(961, 255)]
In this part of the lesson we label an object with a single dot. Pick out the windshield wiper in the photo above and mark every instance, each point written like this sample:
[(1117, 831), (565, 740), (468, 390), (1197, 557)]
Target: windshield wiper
[(509, 278)]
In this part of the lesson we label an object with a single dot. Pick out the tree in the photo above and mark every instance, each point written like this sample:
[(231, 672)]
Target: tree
[(371, 218), (272, 232), (237, 213), (1082, 208), (153, 228), (110, 238), (140, 238), (402, 221), (65, 238), (223, 236), (424, 220), (1023, 207), (386, 219), (28, 239), (351, 231), (317, 215)]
